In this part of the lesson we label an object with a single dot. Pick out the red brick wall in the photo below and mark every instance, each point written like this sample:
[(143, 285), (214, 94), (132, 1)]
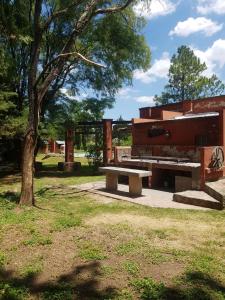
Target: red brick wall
[(196, 106), (166, 114), (209, 104), (145, 112), (208, 173), (183, 132), (191, 152)]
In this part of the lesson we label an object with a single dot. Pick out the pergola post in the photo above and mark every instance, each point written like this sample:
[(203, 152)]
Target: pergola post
[(69, 165), (52, 146), (69, 146), (107, 141)]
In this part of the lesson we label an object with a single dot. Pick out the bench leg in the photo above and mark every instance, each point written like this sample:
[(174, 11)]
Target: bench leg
[(135, 185), (111, 182)]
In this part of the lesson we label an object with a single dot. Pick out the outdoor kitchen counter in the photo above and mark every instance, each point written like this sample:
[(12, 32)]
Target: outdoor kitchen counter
[(170, 165)]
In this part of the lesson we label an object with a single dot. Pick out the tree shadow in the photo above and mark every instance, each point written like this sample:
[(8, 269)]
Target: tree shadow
[(52, 171), (82, 283), (59, 190), (10, 197), (197, 285), (10, 178)]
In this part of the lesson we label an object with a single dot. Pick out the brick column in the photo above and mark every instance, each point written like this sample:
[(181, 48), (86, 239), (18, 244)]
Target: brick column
[(222, 128), (107, 140), (69, 146), (52, 146), (45, 149)]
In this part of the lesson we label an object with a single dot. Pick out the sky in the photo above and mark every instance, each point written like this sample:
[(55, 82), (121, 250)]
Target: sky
[(199, 24)]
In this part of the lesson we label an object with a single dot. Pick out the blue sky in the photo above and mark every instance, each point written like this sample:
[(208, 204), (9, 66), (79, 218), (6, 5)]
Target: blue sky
[(199, 24)]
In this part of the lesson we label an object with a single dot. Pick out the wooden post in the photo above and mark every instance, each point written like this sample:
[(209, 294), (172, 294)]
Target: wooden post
[(52, 146), (69, 146), (107, 141)]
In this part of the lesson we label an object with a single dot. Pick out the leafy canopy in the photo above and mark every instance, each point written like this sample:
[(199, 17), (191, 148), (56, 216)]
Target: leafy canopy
[(114, 40)]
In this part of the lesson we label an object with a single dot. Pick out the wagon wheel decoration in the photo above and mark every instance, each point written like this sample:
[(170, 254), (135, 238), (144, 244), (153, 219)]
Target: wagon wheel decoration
[(217, 159)]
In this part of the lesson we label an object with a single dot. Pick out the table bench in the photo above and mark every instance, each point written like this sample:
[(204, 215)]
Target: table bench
[(135, 178)]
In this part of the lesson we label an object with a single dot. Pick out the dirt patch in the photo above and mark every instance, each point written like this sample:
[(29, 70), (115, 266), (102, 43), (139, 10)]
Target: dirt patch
[(165, 272), (180, 234), (139, 221), (102, 199)]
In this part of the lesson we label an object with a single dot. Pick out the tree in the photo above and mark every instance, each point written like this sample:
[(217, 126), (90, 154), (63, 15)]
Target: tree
[(121, 133), (187, 80), (11, 120), (84, 41)]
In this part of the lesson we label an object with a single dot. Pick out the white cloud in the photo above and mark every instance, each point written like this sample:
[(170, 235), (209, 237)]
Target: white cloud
[(146, 99), (125, 92), (131, 94), (155, 9), (191, 25), (211, 6), (213, 56), (158, 70)]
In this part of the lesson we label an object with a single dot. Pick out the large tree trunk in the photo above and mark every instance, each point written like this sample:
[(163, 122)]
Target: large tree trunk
[(27, 190), (30, 141)]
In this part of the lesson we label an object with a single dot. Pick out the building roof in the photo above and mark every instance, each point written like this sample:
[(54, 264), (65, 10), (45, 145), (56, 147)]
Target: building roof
[(199, 115)]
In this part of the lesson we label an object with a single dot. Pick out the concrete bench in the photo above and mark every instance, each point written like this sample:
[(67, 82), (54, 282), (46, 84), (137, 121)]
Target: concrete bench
[(135, 178)]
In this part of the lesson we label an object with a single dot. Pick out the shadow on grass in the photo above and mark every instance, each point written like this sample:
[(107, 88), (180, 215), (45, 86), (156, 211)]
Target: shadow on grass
[(52, 171), (9, 197), (82, 283), (59, 190), (10, 178), (197, 285), (193, 286)]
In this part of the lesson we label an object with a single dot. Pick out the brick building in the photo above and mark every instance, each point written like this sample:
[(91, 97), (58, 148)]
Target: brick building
[(181, 143)]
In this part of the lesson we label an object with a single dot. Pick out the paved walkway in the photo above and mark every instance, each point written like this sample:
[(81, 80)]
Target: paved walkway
[(150, 197)]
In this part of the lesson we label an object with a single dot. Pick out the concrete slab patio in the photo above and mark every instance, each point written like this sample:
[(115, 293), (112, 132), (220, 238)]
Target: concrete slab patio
[(149, 197)]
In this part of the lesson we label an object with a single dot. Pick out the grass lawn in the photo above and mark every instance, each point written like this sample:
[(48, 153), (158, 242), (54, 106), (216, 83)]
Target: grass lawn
[(75, 246)]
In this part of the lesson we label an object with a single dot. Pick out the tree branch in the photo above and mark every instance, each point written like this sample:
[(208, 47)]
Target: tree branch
[(58, 14), (82, 57), (114, 9)]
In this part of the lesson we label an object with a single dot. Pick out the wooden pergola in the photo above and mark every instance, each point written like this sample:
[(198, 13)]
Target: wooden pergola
[(105, 124)]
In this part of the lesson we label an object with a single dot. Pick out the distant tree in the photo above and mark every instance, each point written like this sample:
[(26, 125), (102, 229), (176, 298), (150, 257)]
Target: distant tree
[(11, 119), (187, 79), (121, 133)]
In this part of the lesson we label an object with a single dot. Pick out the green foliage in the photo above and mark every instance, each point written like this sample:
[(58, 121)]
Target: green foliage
[(187, 80), (125, 294), (37, 239), (106, 270), (32, 269), (155, 256), (94, 156), (122, 134), (149, 289), (12, 292), (114, 40), (126, 248), (2, 259), (58, 292), (131, 267), (11, 120), (90, 251), (64, 222)]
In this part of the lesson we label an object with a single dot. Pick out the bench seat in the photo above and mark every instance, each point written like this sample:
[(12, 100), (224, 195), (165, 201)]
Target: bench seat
[(135, 178)]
